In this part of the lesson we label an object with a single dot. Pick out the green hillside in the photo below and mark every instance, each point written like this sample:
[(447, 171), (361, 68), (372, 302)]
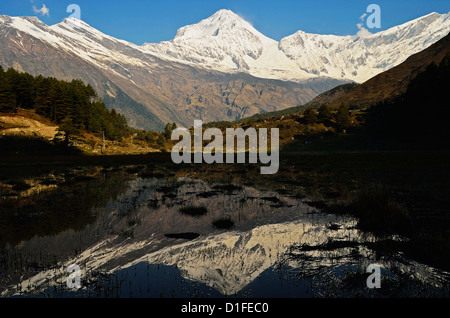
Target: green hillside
[(74, 106)]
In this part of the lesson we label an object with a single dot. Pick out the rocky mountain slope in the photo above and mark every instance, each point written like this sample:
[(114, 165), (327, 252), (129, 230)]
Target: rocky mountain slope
[(394, 82), (219, 69), (148, 90)]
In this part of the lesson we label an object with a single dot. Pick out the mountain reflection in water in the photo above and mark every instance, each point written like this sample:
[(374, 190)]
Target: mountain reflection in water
[(140, 245)]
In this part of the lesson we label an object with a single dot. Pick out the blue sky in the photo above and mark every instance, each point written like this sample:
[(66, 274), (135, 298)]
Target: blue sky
[(140, 21)]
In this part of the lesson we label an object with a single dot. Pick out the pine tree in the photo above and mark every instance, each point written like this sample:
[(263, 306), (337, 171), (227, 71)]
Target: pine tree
[(325, 113), (167, 133), (25, 91), (42, 101), (72, 105), (161, 141), (7, 97), (310, 116), (343, 121)]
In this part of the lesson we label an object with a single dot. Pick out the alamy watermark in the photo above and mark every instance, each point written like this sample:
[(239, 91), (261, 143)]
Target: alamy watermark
[(75, 10), (236, 146), (374, 280), (74, 278), (374, 20), (373, 15)]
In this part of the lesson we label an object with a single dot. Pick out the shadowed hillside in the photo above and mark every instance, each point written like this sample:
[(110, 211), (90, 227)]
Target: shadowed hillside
[(394, 82)]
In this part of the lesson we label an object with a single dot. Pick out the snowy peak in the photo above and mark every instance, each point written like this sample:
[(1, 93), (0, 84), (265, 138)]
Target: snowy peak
[(224, 42), (228, 43), (222, 23), (31, 26), (32, 20), (74, 36), (22, 23), (360, 58), (149, 88), (429, 18), (76, 29), (76, 24)]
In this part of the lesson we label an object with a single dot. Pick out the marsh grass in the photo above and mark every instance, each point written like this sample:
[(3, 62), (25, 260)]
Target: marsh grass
[(224, 223), (151, 174), (227, 187), (20, 186), (195, 211), (126, 234), (134, 170), (208, 194), (133, 222), (186, 236), (330, 245), (167, 189), (379, 213)]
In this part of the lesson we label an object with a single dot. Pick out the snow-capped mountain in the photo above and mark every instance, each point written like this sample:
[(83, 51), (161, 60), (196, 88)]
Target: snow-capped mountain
[(228, 43), (221, 68), (361, 58), (148, 89), (77, 37)]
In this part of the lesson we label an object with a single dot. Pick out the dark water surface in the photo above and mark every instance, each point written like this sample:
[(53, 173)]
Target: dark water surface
[(132, 235)]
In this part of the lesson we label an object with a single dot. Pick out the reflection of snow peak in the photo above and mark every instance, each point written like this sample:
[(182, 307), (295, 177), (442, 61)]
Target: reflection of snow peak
[(227, 262), (230, 261)]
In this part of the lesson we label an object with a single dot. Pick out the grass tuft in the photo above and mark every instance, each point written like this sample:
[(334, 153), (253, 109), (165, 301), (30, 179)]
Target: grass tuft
[(194, 210), (223, 223), (379, 214)]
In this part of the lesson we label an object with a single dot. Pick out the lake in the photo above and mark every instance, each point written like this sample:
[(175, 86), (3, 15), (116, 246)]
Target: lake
[(135, 233)]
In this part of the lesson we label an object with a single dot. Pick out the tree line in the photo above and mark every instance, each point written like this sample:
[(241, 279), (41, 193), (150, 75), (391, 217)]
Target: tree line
[(74, 106)]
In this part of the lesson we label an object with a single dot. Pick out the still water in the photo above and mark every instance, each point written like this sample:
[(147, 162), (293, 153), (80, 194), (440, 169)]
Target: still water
[(130, 237)]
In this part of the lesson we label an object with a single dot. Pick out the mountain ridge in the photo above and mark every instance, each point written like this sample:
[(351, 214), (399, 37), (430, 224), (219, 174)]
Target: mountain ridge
[(154, 91), (254, 45), (394, 82), (301, 55), (152, 88)]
